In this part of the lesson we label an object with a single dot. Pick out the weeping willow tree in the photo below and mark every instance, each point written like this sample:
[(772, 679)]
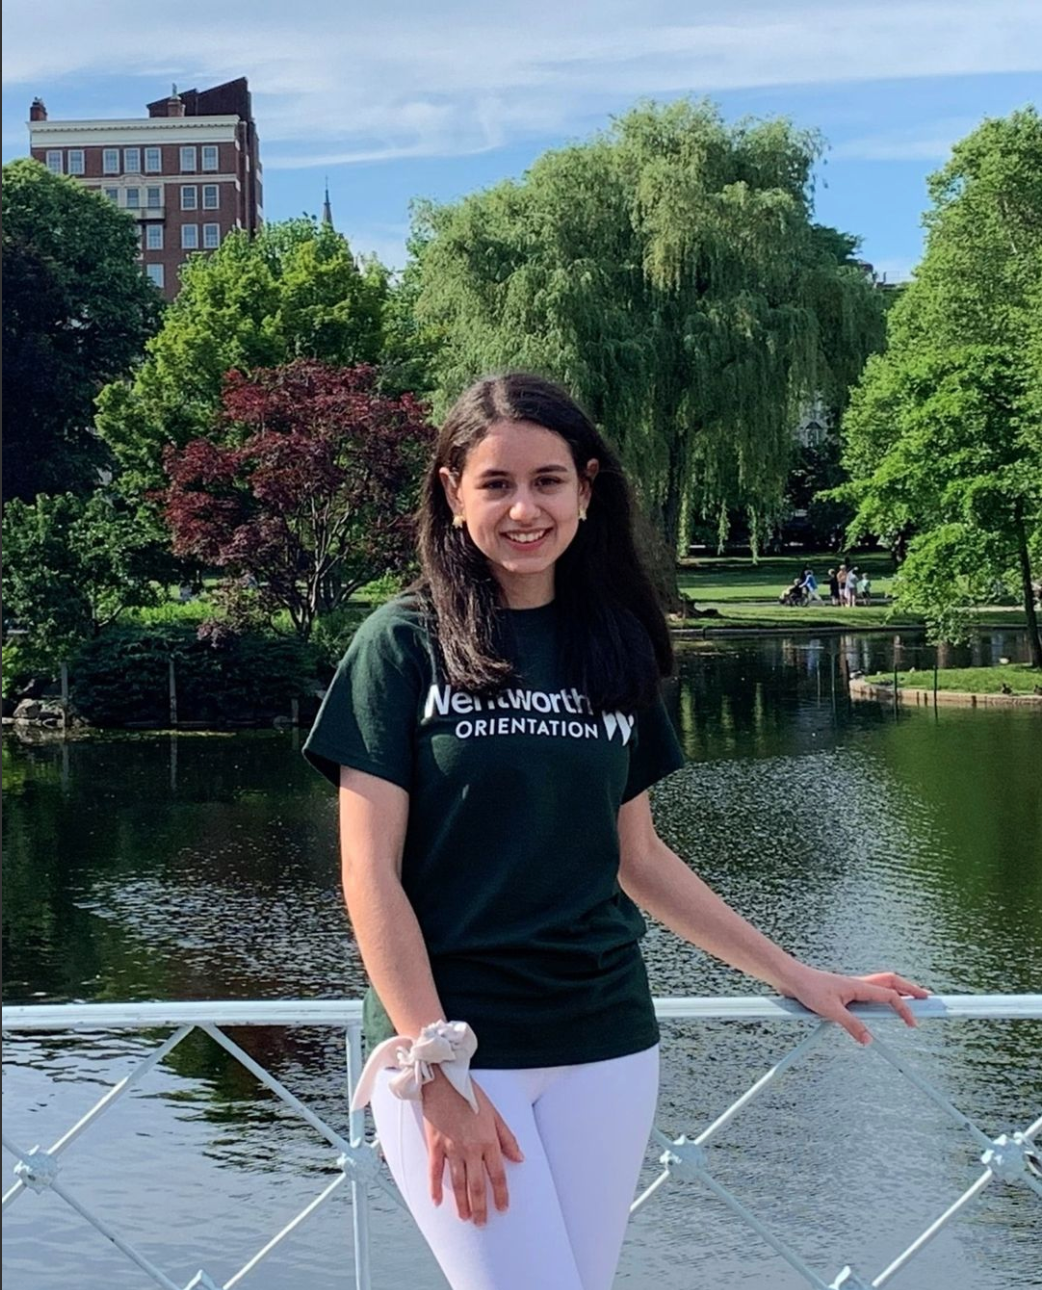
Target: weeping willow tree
[(669, 272)]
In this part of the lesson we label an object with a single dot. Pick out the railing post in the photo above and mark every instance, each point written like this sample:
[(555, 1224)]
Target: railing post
[(359, 1188)]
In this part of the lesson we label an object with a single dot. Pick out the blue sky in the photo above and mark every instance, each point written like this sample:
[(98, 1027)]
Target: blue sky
[(436, 100)]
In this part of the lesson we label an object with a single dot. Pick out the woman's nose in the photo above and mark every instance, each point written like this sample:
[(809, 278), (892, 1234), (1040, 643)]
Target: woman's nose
[(524, 506)]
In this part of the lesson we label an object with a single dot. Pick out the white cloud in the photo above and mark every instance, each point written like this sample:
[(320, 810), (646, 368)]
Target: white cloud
[(335, 83)]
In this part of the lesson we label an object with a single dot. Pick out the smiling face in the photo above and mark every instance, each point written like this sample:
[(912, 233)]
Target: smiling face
[(519, 495)]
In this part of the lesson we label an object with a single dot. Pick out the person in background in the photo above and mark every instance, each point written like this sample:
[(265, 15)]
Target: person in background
[(851, 586), (833, 587), (810, 585), (493, 734), (864, 588)]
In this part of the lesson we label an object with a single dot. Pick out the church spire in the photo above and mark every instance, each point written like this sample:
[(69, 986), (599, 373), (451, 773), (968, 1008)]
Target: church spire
[(327, 208)]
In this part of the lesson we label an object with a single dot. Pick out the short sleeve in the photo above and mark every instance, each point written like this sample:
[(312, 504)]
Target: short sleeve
[(655, 750), (367, 720)]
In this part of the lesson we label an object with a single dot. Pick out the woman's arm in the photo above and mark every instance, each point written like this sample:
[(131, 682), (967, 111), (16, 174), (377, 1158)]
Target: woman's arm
[(657, 879), (374, 815)]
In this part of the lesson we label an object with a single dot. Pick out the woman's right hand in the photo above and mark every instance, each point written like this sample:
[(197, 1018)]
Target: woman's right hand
[(473, 1146)]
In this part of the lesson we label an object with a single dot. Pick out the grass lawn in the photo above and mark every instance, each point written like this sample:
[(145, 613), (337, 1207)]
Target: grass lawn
[(1020, 677), (715, 579), (743, 595)]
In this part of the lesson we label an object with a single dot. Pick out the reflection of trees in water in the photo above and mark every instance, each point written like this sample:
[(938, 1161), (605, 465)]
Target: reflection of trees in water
[(781, 694)]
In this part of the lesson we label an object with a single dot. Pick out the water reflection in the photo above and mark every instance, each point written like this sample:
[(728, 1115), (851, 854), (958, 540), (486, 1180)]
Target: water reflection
[(204, 867)]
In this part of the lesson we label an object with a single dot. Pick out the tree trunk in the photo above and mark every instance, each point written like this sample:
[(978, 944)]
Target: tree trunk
[(1034, 639)]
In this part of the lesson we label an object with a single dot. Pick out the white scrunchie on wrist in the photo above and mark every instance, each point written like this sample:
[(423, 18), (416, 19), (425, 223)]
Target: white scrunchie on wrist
[(448, 1044)]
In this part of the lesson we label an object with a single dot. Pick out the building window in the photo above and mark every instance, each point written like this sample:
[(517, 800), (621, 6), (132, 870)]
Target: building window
[(155, 272), (154, 237), (132, 161), (154, 197), (211, 198), (112, 194), (211, 236), (76, 166), (189, 197), (54, 161), (133, 198), (210, 156), (153, 161), (110, 161), (188, 159), (189, 237)]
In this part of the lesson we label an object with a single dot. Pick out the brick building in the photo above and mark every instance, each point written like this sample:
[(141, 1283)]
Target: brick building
[(188, 173)]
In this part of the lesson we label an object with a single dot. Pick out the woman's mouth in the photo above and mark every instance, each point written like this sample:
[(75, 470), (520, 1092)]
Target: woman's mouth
[(526, 539)]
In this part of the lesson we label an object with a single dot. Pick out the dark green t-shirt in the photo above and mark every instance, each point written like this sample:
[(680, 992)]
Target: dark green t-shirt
[(511, 853)]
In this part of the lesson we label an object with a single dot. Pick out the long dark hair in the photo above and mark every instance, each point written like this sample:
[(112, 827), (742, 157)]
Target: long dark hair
[(615, 640)]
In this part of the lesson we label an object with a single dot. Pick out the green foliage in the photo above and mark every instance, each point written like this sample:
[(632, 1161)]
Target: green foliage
[(942, 437), (23, 662), (293, 291), (123, 676), (670, 274), (77, 313), (71, 566)]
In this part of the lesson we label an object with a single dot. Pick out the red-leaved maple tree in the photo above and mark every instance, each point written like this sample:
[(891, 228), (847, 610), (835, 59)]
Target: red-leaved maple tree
[(309, 492)]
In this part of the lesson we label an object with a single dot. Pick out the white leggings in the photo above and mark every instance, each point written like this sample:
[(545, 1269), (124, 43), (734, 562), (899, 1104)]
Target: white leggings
[(583, 1131)]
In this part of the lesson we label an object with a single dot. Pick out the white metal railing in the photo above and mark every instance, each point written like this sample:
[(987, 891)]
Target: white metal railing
[(1010, 1158)]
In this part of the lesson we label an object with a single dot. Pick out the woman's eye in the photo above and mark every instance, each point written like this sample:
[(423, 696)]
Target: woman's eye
[(550, 481)]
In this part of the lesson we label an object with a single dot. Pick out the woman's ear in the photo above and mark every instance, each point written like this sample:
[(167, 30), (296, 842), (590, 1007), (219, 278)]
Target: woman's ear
[(586, 482), (451, 487)]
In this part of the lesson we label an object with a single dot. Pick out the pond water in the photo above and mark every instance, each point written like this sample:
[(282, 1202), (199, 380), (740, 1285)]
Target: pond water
[(191, 866)]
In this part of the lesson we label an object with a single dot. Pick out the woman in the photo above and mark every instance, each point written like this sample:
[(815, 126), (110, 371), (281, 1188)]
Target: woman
[(493, 735)]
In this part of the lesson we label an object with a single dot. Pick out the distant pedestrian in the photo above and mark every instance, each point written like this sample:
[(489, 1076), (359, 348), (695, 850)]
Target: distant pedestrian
[(841, 580), (851, 587), (833, 587), (864, 589), (810, 585)]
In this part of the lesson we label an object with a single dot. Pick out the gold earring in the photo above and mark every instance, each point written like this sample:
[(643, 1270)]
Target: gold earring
[(582, 512), (457, 521)]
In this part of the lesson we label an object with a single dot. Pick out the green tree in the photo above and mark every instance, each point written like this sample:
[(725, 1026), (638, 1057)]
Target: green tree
[(295, 291), (71, 566), (669, 273), (943, 439), (317, 497), (77, 313)]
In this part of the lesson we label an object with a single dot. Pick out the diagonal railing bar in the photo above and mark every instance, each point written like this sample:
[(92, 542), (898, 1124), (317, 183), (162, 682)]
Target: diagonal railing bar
[(278, 1088), (1010, 1158), (103, 1104), (765, 1234), (360, 1158), (687, 1160), (768, 1078), (290, 1227), (924, 1086), (146, 1265), (938, 1225)]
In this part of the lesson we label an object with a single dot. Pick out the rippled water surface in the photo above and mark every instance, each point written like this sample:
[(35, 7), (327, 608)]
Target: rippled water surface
[(160, 867)]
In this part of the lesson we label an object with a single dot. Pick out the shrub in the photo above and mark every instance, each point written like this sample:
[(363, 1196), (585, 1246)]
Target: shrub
[(122, 676)]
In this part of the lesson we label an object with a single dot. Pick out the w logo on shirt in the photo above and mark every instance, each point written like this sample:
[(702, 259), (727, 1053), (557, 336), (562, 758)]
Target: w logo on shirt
[(618, 721)]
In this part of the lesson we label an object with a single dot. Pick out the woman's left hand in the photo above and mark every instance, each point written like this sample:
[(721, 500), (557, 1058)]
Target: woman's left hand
[(829, 994)]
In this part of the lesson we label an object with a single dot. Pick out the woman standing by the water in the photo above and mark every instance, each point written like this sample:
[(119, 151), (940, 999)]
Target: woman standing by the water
[(493, 735)]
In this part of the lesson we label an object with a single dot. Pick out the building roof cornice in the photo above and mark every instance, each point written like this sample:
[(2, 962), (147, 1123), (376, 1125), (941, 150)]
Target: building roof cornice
[(156, 123)]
